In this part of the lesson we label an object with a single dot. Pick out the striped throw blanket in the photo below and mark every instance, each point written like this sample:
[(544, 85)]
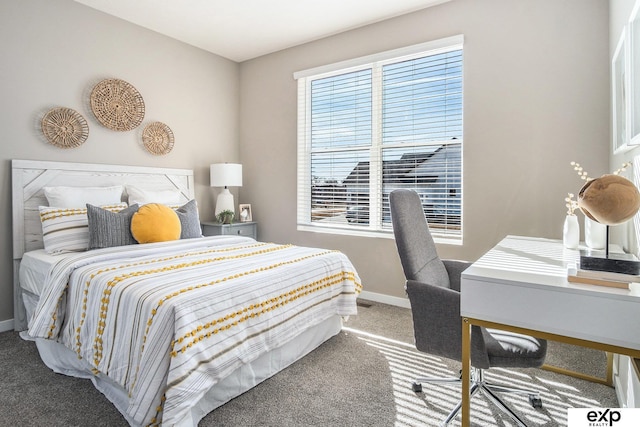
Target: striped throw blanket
[(167, 321)]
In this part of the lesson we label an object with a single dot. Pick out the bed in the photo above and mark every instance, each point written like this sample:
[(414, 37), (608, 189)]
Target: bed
[(167, 331)]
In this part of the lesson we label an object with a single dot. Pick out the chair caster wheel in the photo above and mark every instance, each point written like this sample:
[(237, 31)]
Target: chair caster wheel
[(535, 401), (417, 387)]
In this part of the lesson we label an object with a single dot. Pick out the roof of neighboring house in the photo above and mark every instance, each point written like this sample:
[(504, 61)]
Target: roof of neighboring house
[(396, 171)]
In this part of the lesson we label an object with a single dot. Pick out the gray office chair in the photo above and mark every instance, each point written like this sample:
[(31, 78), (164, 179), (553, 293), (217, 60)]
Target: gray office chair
[(433, 287)]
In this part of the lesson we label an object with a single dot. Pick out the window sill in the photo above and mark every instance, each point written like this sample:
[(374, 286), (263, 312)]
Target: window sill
[(386, 234)]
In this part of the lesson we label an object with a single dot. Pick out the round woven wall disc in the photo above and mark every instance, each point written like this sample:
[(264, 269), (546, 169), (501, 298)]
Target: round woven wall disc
[(157, 138), (117, 104), (64, 127)]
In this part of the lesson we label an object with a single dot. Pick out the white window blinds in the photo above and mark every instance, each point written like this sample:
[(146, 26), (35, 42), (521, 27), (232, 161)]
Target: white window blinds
[(375, 126)]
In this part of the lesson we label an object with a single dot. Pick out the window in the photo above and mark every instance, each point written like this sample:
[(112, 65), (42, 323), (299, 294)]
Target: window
[(375, 124)]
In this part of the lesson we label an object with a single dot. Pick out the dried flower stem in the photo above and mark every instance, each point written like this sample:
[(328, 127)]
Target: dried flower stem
[(581, 172), (571, 204), (622, 168), (585, 176)]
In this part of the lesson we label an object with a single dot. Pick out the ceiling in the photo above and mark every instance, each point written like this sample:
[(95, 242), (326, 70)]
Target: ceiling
[(244, 29)]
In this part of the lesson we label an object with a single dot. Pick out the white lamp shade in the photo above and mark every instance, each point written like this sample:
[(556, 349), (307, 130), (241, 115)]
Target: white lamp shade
[(226, 175)]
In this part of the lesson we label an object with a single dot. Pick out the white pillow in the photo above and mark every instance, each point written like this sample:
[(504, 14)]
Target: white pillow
[(78, 197), (67, 229), (164, 197)]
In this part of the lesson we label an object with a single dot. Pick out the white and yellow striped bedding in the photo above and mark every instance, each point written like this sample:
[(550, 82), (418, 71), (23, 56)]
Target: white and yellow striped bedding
[(167, 321)]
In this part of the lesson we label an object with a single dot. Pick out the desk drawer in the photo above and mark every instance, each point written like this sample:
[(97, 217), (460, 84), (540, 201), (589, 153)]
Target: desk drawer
[(247, 229), (586, 313)]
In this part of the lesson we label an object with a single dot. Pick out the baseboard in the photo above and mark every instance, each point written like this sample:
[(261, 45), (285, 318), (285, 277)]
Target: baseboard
[(385, 299), (622, 398), (6, 325)]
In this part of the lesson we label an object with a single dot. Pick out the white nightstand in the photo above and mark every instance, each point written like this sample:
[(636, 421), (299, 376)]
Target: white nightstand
[(248, 229)]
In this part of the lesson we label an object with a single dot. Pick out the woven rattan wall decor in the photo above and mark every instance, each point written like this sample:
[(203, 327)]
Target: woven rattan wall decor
[(157, 138), (64, 127), (117, 105)]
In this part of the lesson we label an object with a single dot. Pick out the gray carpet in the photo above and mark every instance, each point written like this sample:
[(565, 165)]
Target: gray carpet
[(361, 377)]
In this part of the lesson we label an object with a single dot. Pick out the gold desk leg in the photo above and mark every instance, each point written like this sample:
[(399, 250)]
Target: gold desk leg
[(608, 380), (466, 372), (610, 368)]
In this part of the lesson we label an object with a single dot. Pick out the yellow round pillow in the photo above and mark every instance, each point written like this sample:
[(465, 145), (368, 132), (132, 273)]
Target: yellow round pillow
[(155, 223)]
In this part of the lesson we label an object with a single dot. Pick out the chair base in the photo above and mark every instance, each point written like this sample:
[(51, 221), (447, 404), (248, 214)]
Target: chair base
[(478, 384)]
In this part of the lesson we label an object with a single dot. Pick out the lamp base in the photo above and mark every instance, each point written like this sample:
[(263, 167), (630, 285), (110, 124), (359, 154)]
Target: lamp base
[(224, 202)]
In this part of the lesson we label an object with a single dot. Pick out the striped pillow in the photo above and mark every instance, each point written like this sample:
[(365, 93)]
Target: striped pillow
[(67, 229)]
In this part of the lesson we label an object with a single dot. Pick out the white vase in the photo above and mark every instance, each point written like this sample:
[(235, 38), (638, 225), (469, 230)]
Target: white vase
[(595, 234), (571, 232)]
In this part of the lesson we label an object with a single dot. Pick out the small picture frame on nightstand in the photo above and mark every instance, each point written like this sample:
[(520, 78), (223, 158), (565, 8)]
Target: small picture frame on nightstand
[(245, 213)]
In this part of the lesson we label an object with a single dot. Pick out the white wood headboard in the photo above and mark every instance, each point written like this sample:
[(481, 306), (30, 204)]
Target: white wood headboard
[(29, 177)]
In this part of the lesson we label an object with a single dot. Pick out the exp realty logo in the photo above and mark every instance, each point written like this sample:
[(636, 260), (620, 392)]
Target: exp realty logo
[(603, 417)]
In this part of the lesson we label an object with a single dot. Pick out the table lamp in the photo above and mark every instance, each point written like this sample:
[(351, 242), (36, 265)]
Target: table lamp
[(225, 175)]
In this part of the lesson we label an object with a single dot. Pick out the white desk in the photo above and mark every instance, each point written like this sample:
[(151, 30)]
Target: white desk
[(520, 285)]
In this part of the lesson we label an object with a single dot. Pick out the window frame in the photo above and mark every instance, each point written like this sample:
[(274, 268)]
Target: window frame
[(304, 178)]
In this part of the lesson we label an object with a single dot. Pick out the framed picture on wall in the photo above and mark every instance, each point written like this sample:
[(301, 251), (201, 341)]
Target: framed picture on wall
[(633, 49), (619, 100), (245, 213)]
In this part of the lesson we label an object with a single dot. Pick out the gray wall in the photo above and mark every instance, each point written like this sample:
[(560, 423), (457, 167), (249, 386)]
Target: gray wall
[(536, 97), (536, 85), (54, 51)]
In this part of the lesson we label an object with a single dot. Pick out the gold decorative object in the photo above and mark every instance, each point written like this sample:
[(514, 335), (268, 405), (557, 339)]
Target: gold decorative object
[(117, 105), (157, 138), (64, 127), (610, 199)]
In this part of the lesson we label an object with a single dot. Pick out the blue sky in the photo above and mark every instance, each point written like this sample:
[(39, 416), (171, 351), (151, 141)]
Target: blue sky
[(422, 102)]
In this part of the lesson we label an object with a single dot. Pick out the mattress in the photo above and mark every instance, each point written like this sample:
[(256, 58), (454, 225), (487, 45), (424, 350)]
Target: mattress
[(34, 268)]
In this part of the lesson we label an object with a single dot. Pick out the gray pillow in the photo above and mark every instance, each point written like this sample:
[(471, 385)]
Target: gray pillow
[(108, 229), (189, 220)]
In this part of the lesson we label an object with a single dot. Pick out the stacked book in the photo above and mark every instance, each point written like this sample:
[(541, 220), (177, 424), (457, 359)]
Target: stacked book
[(602, 278)]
